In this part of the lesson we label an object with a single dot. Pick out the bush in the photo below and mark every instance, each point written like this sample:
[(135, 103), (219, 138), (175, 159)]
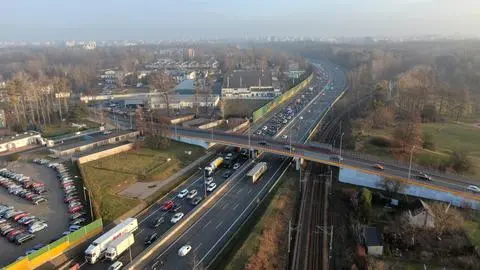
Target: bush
[(428, 142), (460, 162), (13, 157), (380, 141)]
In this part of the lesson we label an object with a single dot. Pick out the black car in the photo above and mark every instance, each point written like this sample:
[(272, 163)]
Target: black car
[(157, 222), (227, 174), (196, 200), (150, 239), (175, 208), (23, 237)]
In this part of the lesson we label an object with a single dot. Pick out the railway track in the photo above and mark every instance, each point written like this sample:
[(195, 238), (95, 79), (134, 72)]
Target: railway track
[(311, 246)]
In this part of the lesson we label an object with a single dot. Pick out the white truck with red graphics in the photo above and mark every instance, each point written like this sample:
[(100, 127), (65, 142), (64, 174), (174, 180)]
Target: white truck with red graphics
[(96, 250)]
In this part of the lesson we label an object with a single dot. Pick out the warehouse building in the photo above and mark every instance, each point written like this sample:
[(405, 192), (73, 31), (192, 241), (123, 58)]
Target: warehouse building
[(13, 142), (249, 84)]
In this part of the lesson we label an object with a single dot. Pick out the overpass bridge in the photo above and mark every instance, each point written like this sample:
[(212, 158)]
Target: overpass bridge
[(349, 160)]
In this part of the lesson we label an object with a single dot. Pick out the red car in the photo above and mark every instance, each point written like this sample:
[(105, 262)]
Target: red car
[(13, 233), (168, 205), (69, 199), (19, 216), (75, 209)]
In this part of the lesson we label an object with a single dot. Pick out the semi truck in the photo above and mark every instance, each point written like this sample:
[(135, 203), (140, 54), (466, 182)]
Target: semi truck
[(96, 250), (118, 246), (257, 171), (213, 166)]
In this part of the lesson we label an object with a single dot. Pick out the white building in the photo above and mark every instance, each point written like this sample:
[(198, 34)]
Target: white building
[(182, 101), (249, 84), (13, 142)]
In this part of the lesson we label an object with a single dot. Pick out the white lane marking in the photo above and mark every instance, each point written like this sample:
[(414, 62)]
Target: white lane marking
[(249, 191), (225, 205), (208, 223), (198, 246), (219, 224), (240, 191), (236, 206)]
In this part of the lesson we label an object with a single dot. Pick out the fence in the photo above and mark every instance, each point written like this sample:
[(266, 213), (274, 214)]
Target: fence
[(261, 112), (56, 248)]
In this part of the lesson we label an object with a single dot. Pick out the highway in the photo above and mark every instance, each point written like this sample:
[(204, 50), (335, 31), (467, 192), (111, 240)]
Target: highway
[(212, 230)]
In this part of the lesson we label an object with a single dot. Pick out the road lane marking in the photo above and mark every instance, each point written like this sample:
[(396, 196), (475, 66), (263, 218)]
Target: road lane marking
[(240, 191), (225, 205), (249, 191), (219, 224), (208, 223), (198, 246), (236, 206)]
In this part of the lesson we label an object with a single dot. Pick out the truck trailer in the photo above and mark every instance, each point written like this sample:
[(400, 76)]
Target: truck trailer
[(96, 250), (118, 246), (210, 169), (257, 171)]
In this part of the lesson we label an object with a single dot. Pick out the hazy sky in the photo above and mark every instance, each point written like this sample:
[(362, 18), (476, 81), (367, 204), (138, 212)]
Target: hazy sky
[(171, 19)]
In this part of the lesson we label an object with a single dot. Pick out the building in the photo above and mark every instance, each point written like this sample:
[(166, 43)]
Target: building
[(421, 215), (373, 241), (191, 53), (253, 84), (177, 101), (13, 142), (94, 141)]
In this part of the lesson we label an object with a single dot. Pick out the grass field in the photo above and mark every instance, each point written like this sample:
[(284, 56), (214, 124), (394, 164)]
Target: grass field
[(266, 245), (65, 128), (108, 176)]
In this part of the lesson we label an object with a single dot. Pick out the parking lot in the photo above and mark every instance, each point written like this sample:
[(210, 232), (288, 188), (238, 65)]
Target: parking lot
[(54, 211)]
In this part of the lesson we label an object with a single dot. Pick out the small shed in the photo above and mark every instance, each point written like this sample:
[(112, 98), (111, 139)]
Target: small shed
[(373, 241)]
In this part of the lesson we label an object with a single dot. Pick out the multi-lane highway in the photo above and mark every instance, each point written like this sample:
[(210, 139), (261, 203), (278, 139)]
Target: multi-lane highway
[(209, 233)]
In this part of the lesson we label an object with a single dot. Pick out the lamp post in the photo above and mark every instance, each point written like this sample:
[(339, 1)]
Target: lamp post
[(341, 141), (410, 165)]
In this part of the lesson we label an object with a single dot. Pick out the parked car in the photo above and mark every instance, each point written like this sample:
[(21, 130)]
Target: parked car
[(78, 221), (23, 237), (38, 226)]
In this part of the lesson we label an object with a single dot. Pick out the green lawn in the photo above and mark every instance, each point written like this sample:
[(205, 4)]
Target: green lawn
[(63, 128), (108, 176), (472, 229)]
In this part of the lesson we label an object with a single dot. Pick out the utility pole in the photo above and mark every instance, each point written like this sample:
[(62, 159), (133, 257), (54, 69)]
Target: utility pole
[(249, 143), (341, 141), (410, 165)]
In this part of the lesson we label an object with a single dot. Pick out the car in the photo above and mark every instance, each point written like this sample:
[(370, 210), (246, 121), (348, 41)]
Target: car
[(175, 208), (74, 203), (336, 158), (236, 166), (38, 246), (208, 180), (23, 237), (196, 200), (183, 251), (288, 147), (167, 205), (157, 222), (38, 226), (78, 221), (73, 228), (66, 233), (473, 188), (77, 215), (71, 198), (116, 265), (424, 176), (211, 187), (150, 239), (75, 209), (182, 193), (263, 143), (284, 137), (192, 194), (378, 167), (175, 218), (13, 234), (226, 174), (30, 221), (30, 251), (301, 117), (19, 216), (12, 213), (6, 230), (39, 200)]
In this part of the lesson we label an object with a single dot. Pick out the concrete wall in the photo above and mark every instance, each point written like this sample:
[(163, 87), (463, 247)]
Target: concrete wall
[(211, 124), (242, 125), (105, 153)]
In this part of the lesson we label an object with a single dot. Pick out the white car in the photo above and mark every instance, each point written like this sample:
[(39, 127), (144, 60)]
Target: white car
[(176, 217), (182, 193), (301, 117), (192, 194), (184, 250), (209, 180), (473, 189), (37, 227), (116, 265), (284, 137), (236, 166), (211, 187)]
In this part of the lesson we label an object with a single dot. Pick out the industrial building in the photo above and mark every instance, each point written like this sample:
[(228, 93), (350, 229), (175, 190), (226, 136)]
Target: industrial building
[(12, 142), (249, 84), (177, 101)]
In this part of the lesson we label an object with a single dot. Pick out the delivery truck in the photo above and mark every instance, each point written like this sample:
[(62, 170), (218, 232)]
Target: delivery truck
[(96, 250), (210, 169), (257, 171), (118, 246)]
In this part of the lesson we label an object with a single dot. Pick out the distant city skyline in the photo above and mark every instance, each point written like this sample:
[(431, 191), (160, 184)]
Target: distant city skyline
[(150, 20)]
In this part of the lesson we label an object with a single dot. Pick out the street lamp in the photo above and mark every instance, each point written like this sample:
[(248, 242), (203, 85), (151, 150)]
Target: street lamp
[(89, 201), (341, 141), (410, 165)]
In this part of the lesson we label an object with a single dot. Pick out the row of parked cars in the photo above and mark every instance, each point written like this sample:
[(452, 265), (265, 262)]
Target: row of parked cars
[(23, 186), (19, 234)]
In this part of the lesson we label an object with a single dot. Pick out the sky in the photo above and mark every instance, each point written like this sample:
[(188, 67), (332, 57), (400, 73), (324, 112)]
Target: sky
[(195, 19)]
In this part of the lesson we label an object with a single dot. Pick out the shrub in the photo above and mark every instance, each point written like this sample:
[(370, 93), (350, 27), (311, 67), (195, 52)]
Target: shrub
[(428, 142), (460, 162), (380, 141)]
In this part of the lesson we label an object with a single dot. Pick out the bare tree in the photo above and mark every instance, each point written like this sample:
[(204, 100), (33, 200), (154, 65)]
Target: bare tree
[(408, 133), (162, 82)]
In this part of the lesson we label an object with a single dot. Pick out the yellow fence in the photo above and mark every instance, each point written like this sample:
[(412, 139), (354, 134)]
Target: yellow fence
[(56, 248), (258, 114)]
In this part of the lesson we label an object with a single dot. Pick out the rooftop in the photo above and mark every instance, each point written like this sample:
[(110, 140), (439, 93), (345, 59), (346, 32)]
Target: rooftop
[(14, 137), (247, 79), (98, 149), (91, 139)]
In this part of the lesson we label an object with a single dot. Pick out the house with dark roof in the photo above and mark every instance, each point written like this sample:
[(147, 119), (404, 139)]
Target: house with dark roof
[(373, 241), (249, 84)]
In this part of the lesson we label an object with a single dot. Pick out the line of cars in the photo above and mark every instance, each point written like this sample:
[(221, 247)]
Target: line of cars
[(17, 234), (23, 186), (280, 119)]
